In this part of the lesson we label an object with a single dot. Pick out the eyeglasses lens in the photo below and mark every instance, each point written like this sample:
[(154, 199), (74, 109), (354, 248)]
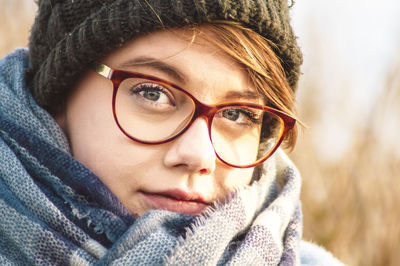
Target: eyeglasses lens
[(236, 133)]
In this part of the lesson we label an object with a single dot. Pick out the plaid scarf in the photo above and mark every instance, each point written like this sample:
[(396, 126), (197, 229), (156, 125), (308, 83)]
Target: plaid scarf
[(53, 210)]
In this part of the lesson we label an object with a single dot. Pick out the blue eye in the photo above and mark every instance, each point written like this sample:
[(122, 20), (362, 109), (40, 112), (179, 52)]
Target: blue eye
[(231, 114), (153, 93), (242, 116)]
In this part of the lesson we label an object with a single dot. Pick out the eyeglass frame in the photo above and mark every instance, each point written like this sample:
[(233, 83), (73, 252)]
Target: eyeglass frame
[(117, 76)]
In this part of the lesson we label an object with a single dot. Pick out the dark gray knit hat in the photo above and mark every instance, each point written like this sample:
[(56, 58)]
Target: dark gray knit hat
[(69, 35)]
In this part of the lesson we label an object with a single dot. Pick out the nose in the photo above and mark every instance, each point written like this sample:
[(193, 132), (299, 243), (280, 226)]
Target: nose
[(193, 150)]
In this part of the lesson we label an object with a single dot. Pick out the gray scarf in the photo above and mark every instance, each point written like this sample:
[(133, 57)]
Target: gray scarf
[(257, 225), (55, 211)]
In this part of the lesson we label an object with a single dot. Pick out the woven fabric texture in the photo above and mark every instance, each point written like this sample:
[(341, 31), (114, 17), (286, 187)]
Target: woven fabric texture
[(54, 211)]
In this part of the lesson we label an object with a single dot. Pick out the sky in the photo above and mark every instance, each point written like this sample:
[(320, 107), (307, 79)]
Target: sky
[(348, 46), (362, 37)]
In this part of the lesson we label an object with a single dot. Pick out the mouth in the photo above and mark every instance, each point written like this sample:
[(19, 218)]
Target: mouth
[(176, 200)]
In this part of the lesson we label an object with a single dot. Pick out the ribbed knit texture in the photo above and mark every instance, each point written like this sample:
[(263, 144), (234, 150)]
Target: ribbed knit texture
[(68, 35)]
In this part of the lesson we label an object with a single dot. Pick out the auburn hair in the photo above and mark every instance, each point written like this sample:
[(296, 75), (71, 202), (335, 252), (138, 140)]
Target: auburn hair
[(255, 54)]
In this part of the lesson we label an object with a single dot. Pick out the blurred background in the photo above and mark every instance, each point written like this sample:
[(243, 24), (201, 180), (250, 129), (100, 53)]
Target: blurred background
[(349, 98), (349, 156)]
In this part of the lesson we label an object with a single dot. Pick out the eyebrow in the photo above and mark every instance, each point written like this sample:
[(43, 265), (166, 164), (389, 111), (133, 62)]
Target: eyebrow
[(243, 95), (173, 72), (156, 64)]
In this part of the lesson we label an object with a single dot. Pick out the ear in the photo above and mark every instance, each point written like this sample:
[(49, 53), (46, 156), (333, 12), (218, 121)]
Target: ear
[(60, 119)]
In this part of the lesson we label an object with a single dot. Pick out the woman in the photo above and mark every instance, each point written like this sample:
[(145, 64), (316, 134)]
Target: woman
[(148, 132)]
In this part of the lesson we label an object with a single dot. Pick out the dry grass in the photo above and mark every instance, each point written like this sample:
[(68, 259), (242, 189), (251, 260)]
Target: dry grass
[(350, 204), (16, 17)]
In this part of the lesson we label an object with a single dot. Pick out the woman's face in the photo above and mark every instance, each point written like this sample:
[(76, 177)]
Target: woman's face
[(183, 175)]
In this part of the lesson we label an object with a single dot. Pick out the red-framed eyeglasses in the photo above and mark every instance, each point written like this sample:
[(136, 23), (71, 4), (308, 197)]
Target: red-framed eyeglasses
[(150, 110)]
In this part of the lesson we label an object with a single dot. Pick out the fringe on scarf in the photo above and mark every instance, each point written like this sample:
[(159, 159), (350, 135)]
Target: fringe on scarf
[(55, 211)]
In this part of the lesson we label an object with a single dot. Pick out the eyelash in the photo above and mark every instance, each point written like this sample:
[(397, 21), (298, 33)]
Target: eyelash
[(254, 117), (257, 119), (154, 87)]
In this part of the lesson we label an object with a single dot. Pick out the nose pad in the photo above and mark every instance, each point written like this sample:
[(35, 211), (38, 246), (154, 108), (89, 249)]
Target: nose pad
[(193, 150)]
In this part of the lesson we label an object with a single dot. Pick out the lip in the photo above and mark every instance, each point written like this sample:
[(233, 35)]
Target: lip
[(176, 200)]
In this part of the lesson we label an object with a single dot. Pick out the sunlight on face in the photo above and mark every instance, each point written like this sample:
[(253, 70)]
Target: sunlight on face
[(183, 175)]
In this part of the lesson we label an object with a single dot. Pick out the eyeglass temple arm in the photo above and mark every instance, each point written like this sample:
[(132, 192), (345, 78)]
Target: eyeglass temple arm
[(103, 70)]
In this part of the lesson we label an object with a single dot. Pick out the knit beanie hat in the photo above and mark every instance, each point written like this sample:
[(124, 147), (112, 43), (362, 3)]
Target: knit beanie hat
[(69, 35)]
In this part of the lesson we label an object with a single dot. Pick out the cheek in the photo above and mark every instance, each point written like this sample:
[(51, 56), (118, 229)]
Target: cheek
[(230, 178), (97, 143), (95, 139), (89, 122)]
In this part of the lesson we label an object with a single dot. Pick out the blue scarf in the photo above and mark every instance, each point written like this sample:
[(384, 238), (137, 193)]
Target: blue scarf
[(54, 211)]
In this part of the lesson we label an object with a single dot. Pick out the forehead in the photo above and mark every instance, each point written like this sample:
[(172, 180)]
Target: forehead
[(187, 59)]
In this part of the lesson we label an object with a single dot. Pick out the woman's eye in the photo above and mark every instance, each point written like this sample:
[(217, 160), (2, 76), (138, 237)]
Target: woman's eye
[(153, 94), (242, 116), (231, 114)]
